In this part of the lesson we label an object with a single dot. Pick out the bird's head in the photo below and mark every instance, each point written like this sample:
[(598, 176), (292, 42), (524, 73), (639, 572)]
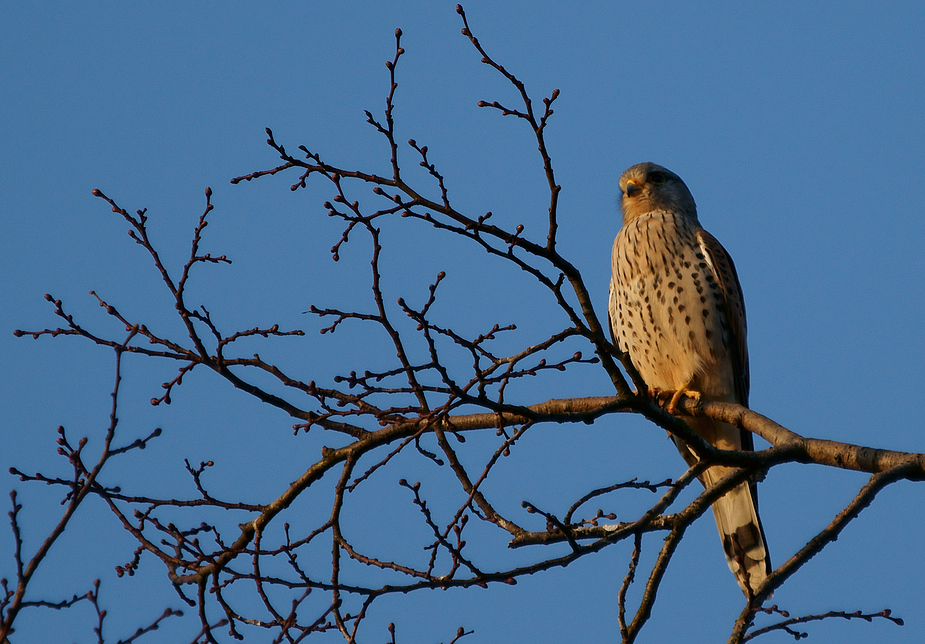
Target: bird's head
[(647, 187)]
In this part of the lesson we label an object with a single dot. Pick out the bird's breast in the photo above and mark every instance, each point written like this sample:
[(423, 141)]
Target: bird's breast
[(668, 311)]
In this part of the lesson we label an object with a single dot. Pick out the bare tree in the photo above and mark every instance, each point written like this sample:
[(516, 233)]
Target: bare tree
[(441, 385)]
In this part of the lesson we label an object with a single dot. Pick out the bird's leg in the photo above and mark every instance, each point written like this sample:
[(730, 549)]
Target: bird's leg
[(659, 395), (672, 407)]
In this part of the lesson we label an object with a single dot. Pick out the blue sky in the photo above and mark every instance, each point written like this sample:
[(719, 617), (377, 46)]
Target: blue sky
[(799, 128)]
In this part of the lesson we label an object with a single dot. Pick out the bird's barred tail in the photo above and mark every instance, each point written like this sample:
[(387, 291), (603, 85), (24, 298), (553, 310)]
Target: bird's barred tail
[(743, 538), (736, 512)]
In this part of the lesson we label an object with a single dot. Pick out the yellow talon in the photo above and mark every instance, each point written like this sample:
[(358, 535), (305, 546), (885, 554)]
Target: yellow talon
[(683, 391)]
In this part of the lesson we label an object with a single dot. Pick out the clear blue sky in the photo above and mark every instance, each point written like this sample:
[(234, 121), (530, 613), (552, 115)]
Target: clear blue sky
[(799, 127)]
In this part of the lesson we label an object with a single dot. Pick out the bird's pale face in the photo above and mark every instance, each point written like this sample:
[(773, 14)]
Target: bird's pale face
[(648, 187)]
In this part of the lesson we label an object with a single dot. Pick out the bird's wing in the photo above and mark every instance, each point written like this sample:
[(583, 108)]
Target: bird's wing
[(613, 317), (724, 272)]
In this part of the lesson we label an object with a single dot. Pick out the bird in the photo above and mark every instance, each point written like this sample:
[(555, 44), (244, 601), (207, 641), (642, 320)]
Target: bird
[(676, 307)]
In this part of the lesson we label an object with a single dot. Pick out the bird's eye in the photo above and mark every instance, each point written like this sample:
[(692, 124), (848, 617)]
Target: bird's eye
[(656, 178)]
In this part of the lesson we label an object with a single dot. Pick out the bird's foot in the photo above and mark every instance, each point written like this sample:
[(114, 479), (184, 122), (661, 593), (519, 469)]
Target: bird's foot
[(672, 407), (660, 396)]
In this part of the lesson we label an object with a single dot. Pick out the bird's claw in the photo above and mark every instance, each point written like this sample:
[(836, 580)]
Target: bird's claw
[(669, 399)]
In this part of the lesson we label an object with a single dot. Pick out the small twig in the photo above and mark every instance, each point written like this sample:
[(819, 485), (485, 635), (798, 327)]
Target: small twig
[(785, 625)]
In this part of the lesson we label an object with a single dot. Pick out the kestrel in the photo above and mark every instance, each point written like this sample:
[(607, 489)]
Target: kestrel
[(676, 308)]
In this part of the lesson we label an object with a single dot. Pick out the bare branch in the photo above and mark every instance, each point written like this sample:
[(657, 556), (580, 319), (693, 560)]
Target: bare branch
[(416, 407)]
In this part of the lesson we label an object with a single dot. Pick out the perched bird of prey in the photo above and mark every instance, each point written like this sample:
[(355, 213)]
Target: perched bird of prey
[(676, 308)]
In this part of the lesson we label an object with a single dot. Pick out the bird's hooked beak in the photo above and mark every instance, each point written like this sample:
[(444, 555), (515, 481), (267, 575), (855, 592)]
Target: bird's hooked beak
[(632, 189)]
